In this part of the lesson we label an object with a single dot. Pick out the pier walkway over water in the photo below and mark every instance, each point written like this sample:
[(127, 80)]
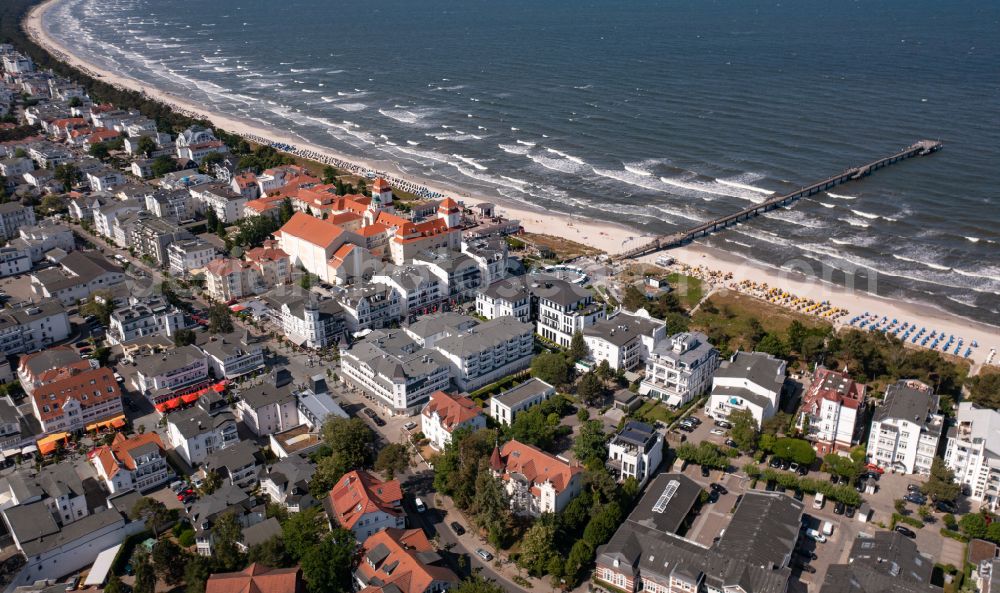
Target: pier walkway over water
[(681, 237)]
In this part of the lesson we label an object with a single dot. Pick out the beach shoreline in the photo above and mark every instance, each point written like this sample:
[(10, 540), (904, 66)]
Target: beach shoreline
[(609, 237)]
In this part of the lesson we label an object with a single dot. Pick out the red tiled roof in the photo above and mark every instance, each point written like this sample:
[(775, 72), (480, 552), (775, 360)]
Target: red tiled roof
[(402, 568), (344, 218), (224, 266), (358, 493), (311, 229), (381, 185), (245, 179), (453, 411), (269, 252), (122, 447), (97, 385), (256, 578), (448, 205), (535, 465), (833, 386)]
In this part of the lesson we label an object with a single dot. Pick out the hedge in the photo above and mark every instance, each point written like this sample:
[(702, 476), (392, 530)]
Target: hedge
[(954, 535), (897, 518), (838, 493)]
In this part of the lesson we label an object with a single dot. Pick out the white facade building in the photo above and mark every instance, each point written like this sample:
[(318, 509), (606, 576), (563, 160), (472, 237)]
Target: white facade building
[(680, 369), (504, 407), (446, 413), (748, 381), (625, 340), (906, 428), (973, 453), (635, 452)]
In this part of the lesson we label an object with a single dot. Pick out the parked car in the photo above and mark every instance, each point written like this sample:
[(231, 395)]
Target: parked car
[(913, 487), (915, 498), (685, 427), (731, 443), (785, 464), (484, 554), (793, 467), (815, 536), (177, 486), (805, 567), (718, 432), (723, 424), (419, 504), (695, 419), (798, 495), (827, 528), (838, 508), (409, 426), (716, 487), (849, 513), (705, 471), (945, 506), (457, 528), (775, 462), (906, 531)]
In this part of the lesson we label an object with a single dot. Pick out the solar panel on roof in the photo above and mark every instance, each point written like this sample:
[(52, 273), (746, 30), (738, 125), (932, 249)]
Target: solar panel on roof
[(668, 492)]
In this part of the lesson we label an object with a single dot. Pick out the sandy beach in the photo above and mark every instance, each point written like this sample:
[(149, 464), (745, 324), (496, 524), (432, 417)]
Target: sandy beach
[(608, 237)]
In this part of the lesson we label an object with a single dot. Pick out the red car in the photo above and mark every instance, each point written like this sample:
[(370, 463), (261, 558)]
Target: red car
[(875, 468)]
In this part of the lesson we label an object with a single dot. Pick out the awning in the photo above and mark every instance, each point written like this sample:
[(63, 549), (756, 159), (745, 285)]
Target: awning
[(29, 450), (11, 452), (102, 566), (116, 422), (47, 445), (191, 397)]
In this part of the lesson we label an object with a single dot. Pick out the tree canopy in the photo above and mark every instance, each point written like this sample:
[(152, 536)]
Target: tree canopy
[(550, 367)]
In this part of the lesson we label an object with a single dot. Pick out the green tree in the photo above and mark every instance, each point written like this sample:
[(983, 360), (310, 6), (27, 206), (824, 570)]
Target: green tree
[(993, 531), (196, 573), (773, 345), (538, 546), (226, 534), (455, 469), (393, 459), (326, 567), (744, 431), (579, 556), (550, 367), (491, 505), (362, 187), (578, 349), (162, 165), (329, 469), (984, 390), (152, 511), (796, 334), (590, 389), (302, 532), (67, 174), (475, 583), (603, 525), (591, 444), (270, 553), (211, 219), (146, 146), (796, 450), (941, 485), (99, 151), (973, 525), (350, 439), (604, 370), (75, 102), (210, 160), (306, 281), (100, 305), (220, 319), (812, 347), (114, 584), (183, 337), (145, 575), (329, 174), (287, 211), (52, 204), (169, 560)]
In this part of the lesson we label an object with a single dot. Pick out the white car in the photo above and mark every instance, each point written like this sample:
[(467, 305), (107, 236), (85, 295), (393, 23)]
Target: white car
[(409, 426), (421, 507), (827, 528), (815, 535), (718, 432)]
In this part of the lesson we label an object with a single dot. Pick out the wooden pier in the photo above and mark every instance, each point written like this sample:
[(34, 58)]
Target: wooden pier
[(679, 238)]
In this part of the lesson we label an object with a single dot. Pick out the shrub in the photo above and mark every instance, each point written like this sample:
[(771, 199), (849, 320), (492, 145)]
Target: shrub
[(186, 538), (954, 535)]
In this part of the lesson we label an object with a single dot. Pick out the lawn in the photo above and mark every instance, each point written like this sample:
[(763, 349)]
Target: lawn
[(653, 410), (689, 290), (732, 313), (564, 249)]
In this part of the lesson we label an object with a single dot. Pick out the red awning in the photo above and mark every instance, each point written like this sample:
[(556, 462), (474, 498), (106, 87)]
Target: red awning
[(118, 423), (191, 397), (173, 403), (161, 408)]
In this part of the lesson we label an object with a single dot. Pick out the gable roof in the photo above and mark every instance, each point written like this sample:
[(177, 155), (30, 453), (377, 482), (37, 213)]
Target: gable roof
[(256, 578), (535, 465), (358, 493), (400, 561), (310, 229), (453, 410)]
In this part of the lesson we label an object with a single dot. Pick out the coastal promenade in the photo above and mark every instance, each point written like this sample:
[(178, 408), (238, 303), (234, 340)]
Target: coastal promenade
[(677, 239)]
